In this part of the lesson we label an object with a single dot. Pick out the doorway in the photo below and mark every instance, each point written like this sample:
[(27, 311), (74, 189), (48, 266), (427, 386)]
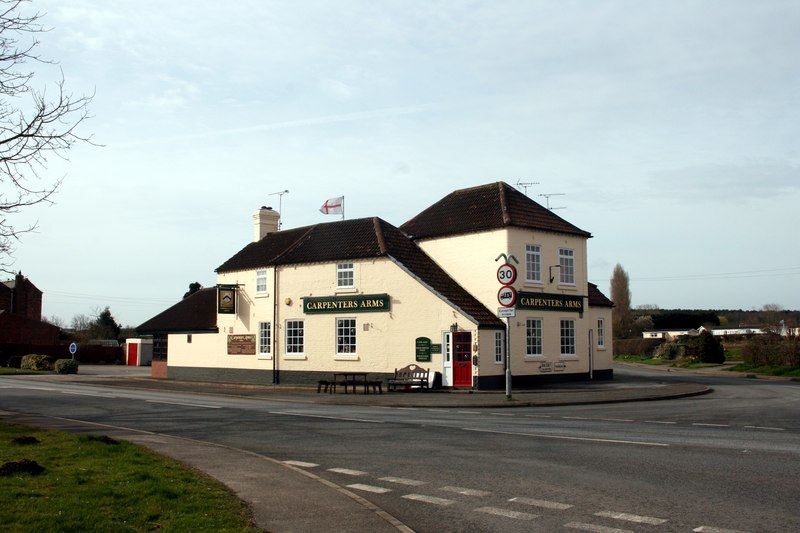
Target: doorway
[(462, 359)]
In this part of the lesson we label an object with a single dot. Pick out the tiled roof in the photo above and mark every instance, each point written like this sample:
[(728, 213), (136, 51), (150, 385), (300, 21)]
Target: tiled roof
[(485, 208), (195, 313), (357, 239), (597, 298)]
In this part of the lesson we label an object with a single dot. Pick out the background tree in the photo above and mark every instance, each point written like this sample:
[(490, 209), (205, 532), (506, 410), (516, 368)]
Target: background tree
[(104, 326), (34, 124), (193, 288), (621, 316)]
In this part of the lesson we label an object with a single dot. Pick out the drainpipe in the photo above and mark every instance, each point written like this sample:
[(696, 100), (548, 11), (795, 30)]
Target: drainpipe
[(275, 329)]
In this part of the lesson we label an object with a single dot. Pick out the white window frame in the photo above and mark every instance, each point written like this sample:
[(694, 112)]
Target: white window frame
[(566, 262), (601, 333), (295, 339), (567, 335), (534, 325), (499, 346), (261, 282), (345, 275), (346, 341), (533, 263), (265, 339)]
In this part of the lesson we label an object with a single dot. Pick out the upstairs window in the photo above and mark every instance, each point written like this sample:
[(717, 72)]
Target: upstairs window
[(566, 260), (345, 276), (261, 281), (533, 263)]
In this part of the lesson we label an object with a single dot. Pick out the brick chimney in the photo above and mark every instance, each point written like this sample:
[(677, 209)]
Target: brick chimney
[(265, 221)]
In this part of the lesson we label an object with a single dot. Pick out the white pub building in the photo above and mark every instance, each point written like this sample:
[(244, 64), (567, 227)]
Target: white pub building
[(296, 305)]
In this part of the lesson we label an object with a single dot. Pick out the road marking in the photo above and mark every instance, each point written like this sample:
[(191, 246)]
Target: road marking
[(575, 418), (658, 422), (93, 395), (765, 428), (369, 488), (595, 528), (565, 437), (439, 410), (403, 481), (541, 503), (615, 419), (506, 513), (502, 414), (707, 529), (49, 389), (303, 415), (301, 464), (539, 416), (185, 404), (711, 425), (428, 499), (466, 492), (347, 471), (632, 518), (468, 412)]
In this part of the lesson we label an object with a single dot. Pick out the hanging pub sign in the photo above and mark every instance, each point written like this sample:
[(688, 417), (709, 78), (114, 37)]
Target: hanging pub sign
[(359, 303), (423, 349), (226, 299), (549, 302)]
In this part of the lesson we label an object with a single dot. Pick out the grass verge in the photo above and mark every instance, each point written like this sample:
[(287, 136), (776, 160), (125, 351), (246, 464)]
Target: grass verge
[(789, 371), (98, 484)]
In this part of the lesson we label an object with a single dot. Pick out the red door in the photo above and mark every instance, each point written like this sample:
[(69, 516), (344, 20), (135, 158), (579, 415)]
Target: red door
[(462, 359), (133, 354)]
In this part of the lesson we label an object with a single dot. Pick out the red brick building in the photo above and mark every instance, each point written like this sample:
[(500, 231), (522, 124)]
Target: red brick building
[(21, 314)]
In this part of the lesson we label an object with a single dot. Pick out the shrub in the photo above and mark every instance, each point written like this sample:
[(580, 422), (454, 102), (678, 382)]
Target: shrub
[(640, 346), (669, 350), (772, 350), (36, 362), (706, 348), (67, 366), (15, 361)]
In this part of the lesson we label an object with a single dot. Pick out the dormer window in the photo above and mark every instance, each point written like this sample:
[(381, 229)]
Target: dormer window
[(345, 276)]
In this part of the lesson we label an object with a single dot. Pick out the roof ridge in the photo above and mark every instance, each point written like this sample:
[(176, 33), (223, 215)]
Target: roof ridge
[(502, 187), (376, 223)]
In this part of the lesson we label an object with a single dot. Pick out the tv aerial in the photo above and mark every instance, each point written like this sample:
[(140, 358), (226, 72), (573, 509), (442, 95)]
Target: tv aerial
[(547, 197), (525, 185)]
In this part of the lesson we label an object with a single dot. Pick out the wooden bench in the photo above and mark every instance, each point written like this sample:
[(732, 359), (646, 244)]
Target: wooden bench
[(409, 376)]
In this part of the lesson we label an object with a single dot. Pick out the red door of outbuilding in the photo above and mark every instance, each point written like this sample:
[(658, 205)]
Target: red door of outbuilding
[(133, 354), (462, 359)]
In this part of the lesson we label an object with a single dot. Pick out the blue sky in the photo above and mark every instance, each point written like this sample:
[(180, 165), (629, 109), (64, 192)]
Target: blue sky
[(669, 130)]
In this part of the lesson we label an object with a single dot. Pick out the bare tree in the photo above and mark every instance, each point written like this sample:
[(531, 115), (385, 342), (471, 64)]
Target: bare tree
[(621, 296), (33, 124)]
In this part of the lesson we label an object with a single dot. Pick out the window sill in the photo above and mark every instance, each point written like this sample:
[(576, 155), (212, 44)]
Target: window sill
[(342, 357), (346, 290), (295, 357), (534, 358), (264, 357), (569, 356), (261, 295)]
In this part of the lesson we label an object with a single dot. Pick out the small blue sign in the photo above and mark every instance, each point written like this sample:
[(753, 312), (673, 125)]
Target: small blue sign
[(73, 348)]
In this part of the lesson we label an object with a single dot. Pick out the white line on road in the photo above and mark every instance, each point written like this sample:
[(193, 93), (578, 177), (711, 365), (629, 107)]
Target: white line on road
[(632, 518), (466, 492), (506, 513), (304, 415), (468, 412), (428, 499), (347, 471), (707, 529), (49, 389), (765, 428), (301, 464), (539, 416), (595, 528), (575, 418), (186, 404), (542, 503), (711, 425), (565, 437), (403, 481), (502, 414), (369, 488), (616, 419), (659, 422), (93, 395)]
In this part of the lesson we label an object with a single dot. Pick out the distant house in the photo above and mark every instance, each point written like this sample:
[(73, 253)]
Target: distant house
[(720, 331), (21, 314)]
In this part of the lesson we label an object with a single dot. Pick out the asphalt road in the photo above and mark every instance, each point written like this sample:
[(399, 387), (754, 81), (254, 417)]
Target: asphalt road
[(724, 462)]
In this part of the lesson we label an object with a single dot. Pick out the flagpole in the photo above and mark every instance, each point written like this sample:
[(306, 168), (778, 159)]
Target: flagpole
[(342, 207)]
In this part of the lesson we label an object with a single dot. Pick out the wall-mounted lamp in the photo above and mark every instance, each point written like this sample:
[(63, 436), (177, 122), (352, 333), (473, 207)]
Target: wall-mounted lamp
[(288, 301), (552, 277), (454, 327)]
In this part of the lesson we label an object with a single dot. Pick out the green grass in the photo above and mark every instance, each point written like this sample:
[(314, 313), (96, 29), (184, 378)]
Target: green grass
[(91, 485), (643, 359), (5, 371), (789, 371)]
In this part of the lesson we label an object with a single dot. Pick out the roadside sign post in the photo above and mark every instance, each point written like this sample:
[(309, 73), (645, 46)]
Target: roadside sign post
[(72, 349), (507, 297)]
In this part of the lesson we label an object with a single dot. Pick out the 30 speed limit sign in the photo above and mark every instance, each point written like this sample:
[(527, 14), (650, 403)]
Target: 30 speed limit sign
[(506, 274)]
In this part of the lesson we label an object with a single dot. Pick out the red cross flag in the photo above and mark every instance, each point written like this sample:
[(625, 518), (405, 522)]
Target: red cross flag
[(333, 206)]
